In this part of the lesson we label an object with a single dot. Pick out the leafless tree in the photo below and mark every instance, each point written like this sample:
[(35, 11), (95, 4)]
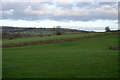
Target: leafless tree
[(57, 30)]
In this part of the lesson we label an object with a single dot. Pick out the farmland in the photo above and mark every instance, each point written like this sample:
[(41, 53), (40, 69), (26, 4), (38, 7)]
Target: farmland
[(84, 58), (46, 38)]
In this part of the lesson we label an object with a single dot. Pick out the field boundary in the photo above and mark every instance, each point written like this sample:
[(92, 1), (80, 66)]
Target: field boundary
[(55, 40)]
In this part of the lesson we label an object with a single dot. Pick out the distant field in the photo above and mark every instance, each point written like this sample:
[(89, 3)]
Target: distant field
[(84, 58), (46, 38)]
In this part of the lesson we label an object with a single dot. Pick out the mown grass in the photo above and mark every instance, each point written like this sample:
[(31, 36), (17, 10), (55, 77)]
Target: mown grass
[(85, 58), (45, 38), (0, 63)]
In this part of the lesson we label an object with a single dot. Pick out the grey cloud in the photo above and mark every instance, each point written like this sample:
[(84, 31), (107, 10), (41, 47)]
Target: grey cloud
[(41, 10)]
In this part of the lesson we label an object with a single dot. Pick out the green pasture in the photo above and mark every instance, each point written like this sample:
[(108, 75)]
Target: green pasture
[(45, 38), (85, 58)]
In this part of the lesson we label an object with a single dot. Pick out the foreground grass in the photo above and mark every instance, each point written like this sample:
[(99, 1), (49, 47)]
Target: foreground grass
[(46, 38), (0, 59), (85, 58)]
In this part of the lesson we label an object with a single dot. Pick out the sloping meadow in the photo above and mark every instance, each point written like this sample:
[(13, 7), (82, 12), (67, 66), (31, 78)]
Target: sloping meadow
[(84, 58)]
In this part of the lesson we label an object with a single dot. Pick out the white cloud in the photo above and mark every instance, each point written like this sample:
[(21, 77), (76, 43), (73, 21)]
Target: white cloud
[(73, 12), (57, 12), (9, 13), (64, 1), (98, 25), (106, 9), (54, 11)]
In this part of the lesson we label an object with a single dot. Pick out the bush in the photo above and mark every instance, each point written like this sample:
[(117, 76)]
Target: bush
[(107, 29)]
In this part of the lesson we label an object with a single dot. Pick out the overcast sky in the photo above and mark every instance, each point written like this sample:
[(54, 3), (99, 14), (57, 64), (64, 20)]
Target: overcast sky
[(75, 14)]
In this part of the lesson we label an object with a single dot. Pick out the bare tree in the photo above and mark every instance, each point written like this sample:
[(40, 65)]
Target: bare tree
[(41, 32), (57, 30)]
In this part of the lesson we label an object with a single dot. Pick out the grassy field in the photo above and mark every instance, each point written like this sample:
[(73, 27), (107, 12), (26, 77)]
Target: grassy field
[(85, 58), (46, 38)]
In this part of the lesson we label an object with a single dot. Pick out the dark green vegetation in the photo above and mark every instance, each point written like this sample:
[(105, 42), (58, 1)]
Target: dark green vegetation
[(84, 58)]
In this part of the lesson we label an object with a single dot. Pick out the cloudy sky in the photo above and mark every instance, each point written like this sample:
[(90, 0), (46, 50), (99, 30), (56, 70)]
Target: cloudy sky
[(76, 14)]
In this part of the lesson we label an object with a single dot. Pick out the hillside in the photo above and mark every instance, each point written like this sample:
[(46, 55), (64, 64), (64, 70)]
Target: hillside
[(17, 32)]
